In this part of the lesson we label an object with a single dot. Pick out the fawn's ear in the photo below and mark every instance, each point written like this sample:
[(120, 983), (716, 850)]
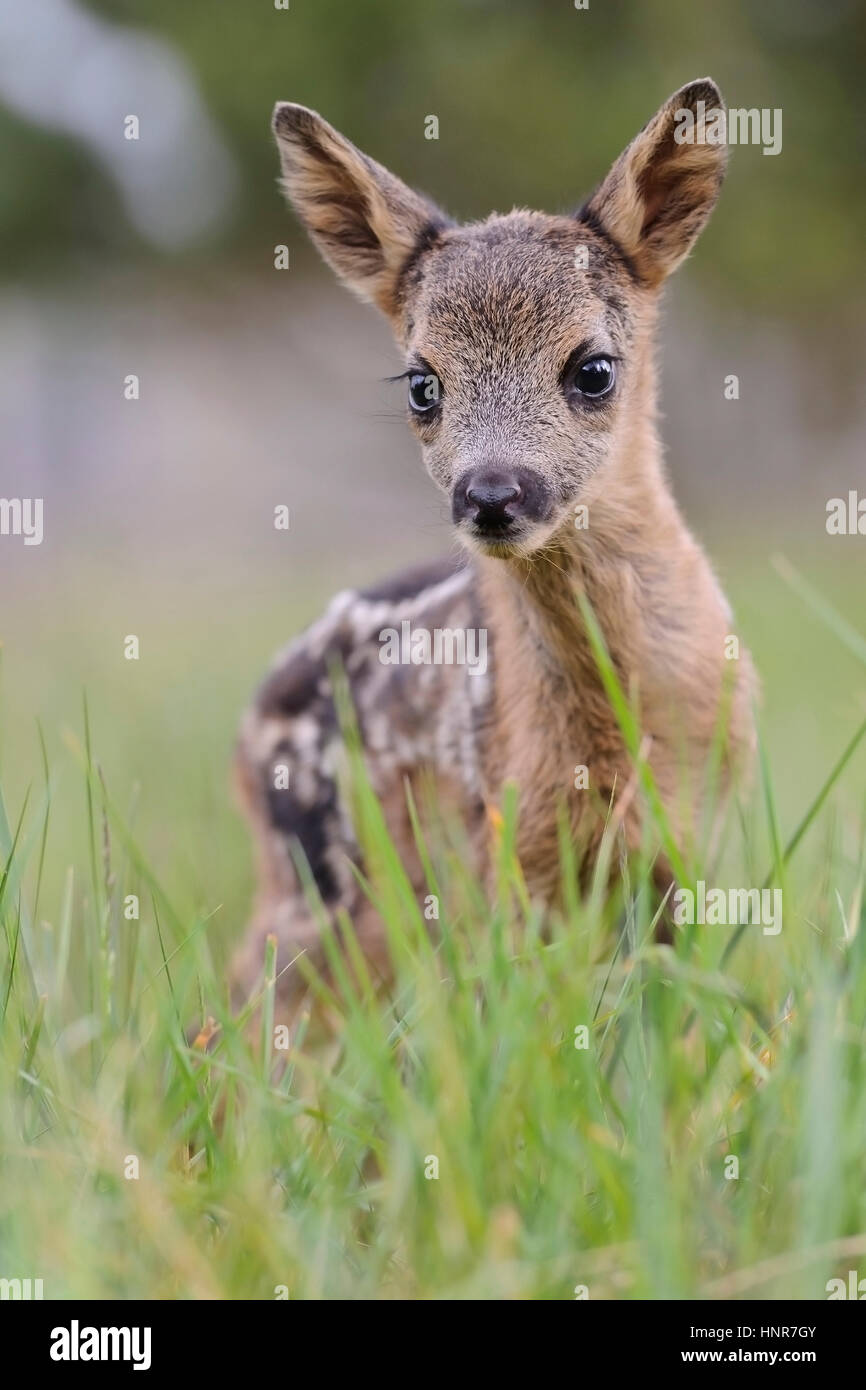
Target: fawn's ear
[(660, 192), (364, 221)]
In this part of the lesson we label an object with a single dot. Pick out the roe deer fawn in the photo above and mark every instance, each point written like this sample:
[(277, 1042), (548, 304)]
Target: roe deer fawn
[(528, 342)]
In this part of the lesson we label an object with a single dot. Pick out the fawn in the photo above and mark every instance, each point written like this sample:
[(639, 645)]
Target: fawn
[(528, 342)]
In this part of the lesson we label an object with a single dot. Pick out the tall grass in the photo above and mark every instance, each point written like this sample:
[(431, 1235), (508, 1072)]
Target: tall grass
[(454, 1140)]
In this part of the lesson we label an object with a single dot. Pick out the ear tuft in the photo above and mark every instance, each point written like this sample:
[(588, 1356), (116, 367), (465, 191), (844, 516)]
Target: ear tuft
[(701, 89), (660, 192), (365, 222), (289, 119)]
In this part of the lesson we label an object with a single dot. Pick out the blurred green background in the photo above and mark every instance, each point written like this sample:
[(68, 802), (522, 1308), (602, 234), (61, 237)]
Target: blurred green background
[(258, 386), (533, 97)]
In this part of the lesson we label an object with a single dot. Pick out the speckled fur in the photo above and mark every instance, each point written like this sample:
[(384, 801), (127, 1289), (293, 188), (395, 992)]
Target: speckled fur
[(496, 309)]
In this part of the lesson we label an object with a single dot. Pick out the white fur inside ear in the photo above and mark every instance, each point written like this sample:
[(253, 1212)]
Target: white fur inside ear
[(363, 220)]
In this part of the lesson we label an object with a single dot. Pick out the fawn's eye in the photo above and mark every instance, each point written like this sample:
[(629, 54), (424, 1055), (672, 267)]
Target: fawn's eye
[(593, 378), (425, 391)]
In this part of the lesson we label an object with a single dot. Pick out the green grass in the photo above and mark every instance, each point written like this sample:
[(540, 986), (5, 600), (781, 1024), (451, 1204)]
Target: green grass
[(558, 1166)]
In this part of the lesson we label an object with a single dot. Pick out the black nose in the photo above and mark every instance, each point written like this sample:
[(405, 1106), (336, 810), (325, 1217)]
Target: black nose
[(490, 500)]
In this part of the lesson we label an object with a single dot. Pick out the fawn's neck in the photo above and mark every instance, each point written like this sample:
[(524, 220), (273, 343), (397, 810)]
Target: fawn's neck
[(626, 556)]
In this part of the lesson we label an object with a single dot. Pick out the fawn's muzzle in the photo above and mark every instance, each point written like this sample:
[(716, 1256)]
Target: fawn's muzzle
[(497, 503)]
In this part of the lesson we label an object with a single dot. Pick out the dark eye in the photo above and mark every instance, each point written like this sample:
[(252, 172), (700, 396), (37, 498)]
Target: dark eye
[(594, 378), (425, 391)]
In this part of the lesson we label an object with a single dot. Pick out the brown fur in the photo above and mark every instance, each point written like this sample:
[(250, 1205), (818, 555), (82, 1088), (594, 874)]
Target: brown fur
[(496, 311)]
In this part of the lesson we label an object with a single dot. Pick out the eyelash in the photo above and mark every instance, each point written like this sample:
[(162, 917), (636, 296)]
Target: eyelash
[(412, 371)]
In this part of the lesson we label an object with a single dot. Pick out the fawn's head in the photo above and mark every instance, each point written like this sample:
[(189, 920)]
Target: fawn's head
[(526, 335)]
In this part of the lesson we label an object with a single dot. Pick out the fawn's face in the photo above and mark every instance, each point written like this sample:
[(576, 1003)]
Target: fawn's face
[(520, 363), (524, 335)]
